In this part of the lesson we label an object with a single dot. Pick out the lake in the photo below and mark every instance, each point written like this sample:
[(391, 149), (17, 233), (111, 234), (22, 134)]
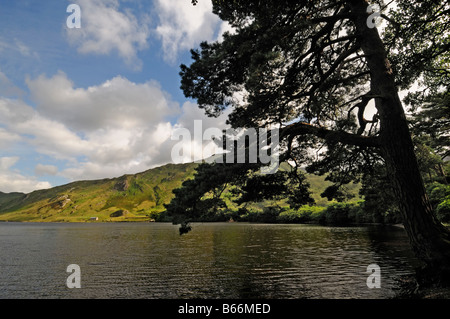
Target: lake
[(214, 260)]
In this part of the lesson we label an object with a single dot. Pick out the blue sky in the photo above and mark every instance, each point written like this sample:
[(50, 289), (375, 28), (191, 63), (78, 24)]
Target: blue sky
[(99, 101)]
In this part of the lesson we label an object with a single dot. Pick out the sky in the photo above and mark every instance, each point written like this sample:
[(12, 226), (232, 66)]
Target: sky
[(98, 101)]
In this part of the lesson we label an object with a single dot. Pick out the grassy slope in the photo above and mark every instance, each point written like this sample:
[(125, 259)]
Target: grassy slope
[(136, 195)]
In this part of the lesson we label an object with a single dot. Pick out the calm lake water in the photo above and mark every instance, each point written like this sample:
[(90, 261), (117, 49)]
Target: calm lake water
[(219, 260)]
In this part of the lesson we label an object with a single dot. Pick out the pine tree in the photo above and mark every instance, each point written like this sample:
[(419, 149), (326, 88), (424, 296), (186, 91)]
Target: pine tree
[(313, 68)]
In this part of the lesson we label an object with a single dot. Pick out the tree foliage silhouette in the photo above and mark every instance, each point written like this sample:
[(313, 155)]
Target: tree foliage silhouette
[(313, 69)]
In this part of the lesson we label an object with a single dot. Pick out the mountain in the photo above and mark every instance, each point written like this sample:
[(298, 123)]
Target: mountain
[(7, 201), (127, 198)]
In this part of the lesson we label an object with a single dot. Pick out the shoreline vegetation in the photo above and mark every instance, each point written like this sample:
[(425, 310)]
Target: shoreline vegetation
[(338, 215), (142, 197)]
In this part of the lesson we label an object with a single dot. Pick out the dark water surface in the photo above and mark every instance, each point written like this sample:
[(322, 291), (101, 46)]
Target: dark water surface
[(219, 260)]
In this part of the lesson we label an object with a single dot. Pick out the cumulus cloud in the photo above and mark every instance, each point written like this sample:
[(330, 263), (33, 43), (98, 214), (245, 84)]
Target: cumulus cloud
[(182, 26), (106, 28), (12, 181), (117, 103), (45, 135)]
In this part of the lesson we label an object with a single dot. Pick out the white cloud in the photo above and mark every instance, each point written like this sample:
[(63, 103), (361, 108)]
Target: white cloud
[(7, 138), (117, 103), (12, 181), (105, 28), (191, 112), (7, 162), (183, 26), (108, 27), (47, 136)]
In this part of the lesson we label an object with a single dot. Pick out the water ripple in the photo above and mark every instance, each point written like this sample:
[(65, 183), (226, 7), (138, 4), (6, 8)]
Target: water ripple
[(229, 260)]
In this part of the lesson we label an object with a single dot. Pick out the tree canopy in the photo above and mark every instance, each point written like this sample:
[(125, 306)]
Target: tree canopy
[(324, 76)]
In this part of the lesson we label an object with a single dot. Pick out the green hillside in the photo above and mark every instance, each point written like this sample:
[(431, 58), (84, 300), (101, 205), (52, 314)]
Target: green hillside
[(130, 198), (127, 198)]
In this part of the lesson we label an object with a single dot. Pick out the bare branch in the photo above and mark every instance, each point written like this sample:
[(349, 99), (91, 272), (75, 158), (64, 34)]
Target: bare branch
[(394, 23), (301, 128)]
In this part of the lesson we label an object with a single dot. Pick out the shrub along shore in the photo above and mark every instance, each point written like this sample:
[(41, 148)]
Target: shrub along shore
[(334, 214)]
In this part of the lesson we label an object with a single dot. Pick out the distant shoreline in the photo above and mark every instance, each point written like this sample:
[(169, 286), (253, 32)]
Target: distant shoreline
[(199, 222)]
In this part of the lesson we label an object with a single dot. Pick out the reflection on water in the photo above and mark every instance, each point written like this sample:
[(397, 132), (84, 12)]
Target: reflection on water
[(220, 260)]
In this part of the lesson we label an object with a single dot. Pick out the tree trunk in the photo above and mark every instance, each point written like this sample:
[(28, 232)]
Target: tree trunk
[(429, 239)]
